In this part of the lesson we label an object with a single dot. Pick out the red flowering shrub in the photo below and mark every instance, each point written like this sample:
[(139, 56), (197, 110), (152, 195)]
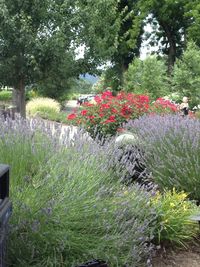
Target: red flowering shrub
[(109, 112), (163, 106)]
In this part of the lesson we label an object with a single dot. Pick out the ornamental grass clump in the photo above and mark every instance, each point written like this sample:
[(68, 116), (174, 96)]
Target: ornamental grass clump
[(42, 106), (68, 206), (172, 151)]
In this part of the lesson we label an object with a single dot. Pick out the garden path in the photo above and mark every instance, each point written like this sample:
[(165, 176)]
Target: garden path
[(71, 104)]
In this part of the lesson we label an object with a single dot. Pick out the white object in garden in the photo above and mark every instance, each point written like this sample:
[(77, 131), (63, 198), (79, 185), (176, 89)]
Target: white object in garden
[(126, 138)]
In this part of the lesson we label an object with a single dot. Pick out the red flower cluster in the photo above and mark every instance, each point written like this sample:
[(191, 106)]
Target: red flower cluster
[(110, 119), (84, 112), (109, 112), (71, 116), (164, 104)]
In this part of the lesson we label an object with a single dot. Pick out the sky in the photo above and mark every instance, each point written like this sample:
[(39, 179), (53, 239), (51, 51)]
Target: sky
[(146, 49)]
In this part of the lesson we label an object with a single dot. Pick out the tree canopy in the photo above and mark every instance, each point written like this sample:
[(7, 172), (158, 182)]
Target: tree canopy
[(186, 78), (147, 77), (169, 26), (36, 44)]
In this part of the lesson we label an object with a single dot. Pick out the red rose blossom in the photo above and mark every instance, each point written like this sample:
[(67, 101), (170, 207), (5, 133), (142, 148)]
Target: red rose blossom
[(84, 112), (71, 116)]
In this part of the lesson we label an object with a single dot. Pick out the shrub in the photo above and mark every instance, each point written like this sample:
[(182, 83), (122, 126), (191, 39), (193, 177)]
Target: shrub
[(175, 97), (173, 212), (128, 162), (58, 185), (109, 112), (163, 106), (172, 150), (100, 86), (5, 95), (42, 106)]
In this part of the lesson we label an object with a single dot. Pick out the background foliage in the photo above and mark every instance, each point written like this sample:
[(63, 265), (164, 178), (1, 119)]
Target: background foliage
[(147, 77), (187, 74)]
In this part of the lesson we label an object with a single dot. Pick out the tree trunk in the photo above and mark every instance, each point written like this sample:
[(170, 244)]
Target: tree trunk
[(171, 56), (19, 98), (172, 45), (121, 76), (121, 70)]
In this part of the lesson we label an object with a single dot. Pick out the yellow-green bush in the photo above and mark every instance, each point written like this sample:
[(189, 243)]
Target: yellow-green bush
[(42, 105), (173, 211)]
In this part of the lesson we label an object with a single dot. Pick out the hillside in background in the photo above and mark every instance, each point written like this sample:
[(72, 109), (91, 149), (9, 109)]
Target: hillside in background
[(90, 78)]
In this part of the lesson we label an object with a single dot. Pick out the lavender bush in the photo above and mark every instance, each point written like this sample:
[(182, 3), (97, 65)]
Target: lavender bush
[(68, 205), (172, 150), (128, 164)]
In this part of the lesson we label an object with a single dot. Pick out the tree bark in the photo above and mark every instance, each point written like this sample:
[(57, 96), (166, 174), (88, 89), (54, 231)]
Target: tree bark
[(122, 71), (19, 98), (171, 56), (122, 68), (172, 46)]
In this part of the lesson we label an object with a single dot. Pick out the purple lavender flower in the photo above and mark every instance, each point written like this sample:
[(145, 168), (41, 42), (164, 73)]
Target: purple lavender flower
[(172, 150)]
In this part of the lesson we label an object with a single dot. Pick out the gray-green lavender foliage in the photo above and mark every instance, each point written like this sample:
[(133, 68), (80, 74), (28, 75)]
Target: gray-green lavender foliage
[(68, 205), (172, 150)]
